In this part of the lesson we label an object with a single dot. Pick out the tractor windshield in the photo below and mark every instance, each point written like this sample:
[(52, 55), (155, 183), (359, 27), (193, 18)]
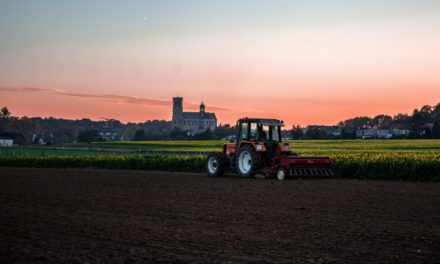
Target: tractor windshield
[(268, 133), (259, 132)]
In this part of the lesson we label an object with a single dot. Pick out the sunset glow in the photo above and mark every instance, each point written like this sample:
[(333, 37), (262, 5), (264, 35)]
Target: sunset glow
[(306, 62)]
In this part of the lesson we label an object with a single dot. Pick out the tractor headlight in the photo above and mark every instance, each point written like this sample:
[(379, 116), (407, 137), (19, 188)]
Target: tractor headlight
[(259, 147)]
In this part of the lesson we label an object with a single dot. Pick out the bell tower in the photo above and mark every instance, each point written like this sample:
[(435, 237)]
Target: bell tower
[(178, 112), (202, 108)]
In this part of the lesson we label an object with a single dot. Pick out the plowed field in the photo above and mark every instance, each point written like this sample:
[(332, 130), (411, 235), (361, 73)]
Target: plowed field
[(100, 216)]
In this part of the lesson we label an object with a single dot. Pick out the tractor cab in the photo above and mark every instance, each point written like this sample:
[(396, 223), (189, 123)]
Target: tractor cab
[(261, 130)]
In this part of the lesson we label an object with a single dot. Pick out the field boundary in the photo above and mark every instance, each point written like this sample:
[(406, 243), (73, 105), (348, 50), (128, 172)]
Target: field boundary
[(385, 166)]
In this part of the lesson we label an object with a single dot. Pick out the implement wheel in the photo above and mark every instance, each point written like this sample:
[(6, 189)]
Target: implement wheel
[(248, 161), (215, 164), (281, 174)]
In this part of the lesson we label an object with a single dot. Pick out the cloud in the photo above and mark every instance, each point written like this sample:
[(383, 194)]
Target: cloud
[(110, 98), (30, 90)]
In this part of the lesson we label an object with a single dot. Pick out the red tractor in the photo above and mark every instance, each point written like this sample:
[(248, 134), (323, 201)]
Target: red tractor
[(258, 149)]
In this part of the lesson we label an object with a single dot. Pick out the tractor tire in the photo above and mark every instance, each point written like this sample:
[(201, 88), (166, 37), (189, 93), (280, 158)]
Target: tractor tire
[(248, 161), (215, 164), (281, 174)]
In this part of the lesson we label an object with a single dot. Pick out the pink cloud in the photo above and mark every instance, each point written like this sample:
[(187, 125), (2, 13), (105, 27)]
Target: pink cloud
[(110, 98)]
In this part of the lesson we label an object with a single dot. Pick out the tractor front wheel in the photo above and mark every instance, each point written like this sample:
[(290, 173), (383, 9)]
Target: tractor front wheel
[(248, 161), (215, 164)]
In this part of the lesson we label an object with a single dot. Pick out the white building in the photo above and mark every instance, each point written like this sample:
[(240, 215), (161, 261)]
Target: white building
[(365, 133), (384, 133), (6, 142), (400, 132), (381, 133)]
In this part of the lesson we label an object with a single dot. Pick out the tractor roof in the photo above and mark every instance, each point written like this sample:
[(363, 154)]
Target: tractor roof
[(263, 121)]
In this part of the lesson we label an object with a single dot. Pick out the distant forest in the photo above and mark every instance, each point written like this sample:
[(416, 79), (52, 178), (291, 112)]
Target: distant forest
[(422, 123)]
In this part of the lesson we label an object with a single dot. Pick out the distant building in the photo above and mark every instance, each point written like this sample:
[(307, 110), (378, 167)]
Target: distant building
[(17, 138), (400, 132), (384, 133), (366, 133), (109, 135), (428, 126), (381, 133), (192, 122), (6, 142)]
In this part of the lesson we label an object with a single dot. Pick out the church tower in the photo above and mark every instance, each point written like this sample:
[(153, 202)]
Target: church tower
[(178, 112), (202, 108)]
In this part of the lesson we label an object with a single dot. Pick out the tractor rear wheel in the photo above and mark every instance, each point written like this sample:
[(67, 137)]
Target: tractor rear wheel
[(215, 164), (248, 161)]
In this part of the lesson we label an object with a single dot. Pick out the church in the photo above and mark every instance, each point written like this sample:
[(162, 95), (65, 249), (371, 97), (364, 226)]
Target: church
[(192, 122)]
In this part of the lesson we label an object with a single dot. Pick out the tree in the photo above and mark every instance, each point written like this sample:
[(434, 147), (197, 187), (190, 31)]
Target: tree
[(296, 132), (426, 111), (63, 135), (347, 135), (427, 133), (206, 135), (129, 132), (223, 131), (436, 112), (89, 136), (357, 123), (401, 120), (4, 112), (315, 133), (25, 126), (178, 134), (139, 135), (416, 123), (4, 118), (381, 121), (436, 130)]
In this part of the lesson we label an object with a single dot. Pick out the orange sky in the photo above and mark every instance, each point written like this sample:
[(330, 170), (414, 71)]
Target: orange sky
[(318, 67)]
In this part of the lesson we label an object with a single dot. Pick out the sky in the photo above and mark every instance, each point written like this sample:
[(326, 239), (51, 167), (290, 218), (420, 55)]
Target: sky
[(303, 61)]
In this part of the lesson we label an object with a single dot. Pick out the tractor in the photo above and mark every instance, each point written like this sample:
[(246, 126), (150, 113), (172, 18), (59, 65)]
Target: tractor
[(258, 149)]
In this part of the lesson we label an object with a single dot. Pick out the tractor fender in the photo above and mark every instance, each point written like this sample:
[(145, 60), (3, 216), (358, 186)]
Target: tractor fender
[(283, 148), (229, 149)]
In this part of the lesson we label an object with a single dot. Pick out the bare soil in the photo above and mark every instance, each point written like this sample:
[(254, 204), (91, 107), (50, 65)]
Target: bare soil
[(100, 216)]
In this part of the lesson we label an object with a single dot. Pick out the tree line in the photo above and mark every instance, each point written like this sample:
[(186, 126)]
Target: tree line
[(422, 123), (58, 130)]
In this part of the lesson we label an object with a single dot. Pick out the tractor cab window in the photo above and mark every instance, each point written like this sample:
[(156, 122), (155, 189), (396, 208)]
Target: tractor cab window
[(263, 133), (275, 133), (244, 131), (253, 131)]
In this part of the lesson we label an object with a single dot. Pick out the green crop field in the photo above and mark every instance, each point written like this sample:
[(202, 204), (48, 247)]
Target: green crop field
[(372, 159), (42, 152), (183, 146), (329, 147), (298, 146), (304, 147)]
